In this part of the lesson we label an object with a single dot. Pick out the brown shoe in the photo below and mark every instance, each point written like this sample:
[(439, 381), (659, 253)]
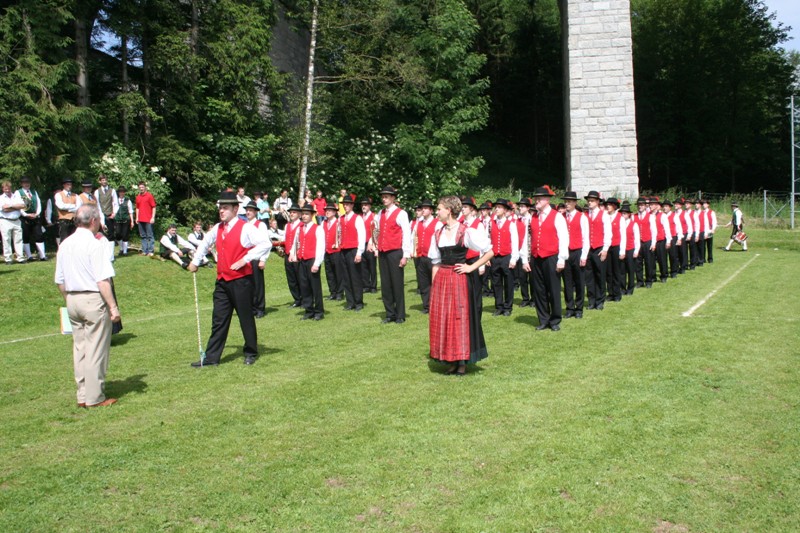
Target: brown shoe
[(104, 403), (82, 405)]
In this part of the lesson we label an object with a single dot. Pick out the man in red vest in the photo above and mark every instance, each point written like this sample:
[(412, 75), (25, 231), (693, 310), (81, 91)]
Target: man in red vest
[(676, 242), (688, 234), (369, 270), (394, 250), (505, 245), (423, 233), (663, 238), (333, 252), (699, 221), (258, 264), (711, 226), (238, 243), (615, 267), (309, 251), (524, 278), (352, 243), (599, 243), (549, 247), (574, 271), (646, 262)]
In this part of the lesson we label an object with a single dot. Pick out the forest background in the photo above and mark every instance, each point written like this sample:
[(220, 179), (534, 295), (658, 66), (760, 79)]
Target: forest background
[(433, 96)]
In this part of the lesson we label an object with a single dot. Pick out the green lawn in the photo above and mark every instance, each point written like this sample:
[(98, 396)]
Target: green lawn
[(633, 419)]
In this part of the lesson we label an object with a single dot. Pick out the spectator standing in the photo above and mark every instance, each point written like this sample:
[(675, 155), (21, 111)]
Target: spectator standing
[(32, 232), (280, 209), (145, 218), (11, 206), (66, 205), (123, 220), (108, 201), (319, 204)]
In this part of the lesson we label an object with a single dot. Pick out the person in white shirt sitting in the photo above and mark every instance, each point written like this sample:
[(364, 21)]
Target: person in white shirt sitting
[(195, 238), (175, 247)]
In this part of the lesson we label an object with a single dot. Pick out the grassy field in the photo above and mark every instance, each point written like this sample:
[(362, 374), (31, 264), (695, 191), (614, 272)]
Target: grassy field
[(635, 418)]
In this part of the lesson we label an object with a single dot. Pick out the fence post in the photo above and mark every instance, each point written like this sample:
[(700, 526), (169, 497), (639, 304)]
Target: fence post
[(765, 207)]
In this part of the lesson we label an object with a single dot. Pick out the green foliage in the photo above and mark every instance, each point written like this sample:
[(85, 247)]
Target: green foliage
[(194, 209)]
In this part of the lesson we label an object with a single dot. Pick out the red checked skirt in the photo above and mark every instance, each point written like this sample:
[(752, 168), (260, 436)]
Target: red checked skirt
[(455, 307)]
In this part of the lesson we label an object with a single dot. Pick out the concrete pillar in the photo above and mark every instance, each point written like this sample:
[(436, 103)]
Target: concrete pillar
[(600, 112)]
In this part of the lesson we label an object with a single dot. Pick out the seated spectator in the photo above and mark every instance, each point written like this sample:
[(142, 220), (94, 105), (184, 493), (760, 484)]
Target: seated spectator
[(195, 238), (275, 233), (174, 247)]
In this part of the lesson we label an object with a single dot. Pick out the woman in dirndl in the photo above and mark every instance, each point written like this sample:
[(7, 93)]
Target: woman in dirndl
[(456, 336)]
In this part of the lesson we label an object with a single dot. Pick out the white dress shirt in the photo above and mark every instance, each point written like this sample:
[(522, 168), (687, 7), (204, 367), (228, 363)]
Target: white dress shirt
[(264, 230), (474, 238), (256, 242), (182, 243), (562, 234), (10, 200), (361, 231), (499, 223), (593, 213), (402, 221), (82, 261), (319, 253)]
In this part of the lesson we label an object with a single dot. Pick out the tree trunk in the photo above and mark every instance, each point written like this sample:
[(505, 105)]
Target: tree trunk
[(81, 58), (309, 99), (124, 51), (148, 127)]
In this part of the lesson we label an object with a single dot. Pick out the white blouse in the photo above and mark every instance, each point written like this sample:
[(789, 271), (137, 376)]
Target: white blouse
[(474, 239)]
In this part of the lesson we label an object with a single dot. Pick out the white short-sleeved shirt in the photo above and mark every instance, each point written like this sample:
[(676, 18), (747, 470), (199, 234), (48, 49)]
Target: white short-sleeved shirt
[(82, 261)]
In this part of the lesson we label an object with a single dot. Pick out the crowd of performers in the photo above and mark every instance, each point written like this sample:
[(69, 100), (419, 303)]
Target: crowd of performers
[(461, 252)]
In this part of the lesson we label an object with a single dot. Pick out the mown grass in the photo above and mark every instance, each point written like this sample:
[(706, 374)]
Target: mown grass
[(634, 418)]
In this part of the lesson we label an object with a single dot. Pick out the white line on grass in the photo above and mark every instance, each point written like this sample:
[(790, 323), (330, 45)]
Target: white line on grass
[(46, 335), (697, 306)]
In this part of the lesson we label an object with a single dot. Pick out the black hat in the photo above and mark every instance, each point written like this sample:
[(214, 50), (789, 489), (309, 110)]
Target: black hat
[(349, 198), (87, 183), (613, 201), (294, 207), (251, 205), (666, 202), (626, 207), (122, 188), (561, 206), (388, 190), (654, 200), (426, 202), (503, 202), (24, 179), (331, 205), (543, 191), (734, 203), (592, 194), (706, 201), (642, 200), (227, 197), (468, 200), (678, 201), (366, 201), (258, 193), (570, 195), (66, 180), (525, 201), (308, 208), (486, 205)]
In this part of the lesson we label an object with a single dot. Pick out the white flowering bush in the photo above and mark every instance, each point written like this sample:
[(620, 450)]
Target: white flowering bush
[(124, 167)]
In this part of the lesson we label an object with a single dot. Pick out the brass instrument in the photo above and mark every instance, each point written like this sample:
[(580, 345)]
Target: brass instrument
[(416, 240), (376, 233), (338, 241)]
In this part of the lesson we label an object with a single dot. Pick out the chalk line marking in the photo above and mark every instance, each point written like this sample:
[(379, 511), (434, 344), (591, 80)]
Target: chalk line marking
[(47, 335), (699, 304)]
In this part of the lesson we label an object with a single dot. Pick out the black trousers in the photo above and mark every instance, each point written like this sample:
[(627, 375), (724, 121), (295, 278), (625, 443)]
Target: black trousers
[(547, 290), (110, 228), (122, 231), (596, 281), (629, 279), (646, 264), (293, 278), (424, 279), (683, 255), (352, 277), (503, 283), (311, 289), (369, 275), (392, 284), (574, 282), (259, 302), (709, 243), (32, 231), (700, 249), (674, 257), (333, 274), (615, 274), (526, 282), (65, 228), (229, 296), (661, 257)]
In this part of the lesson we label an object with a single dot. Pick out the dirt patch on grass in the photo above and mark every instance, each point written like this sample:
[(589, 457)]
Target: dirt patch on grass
[(335, 482), (664, 526), (566, 495)]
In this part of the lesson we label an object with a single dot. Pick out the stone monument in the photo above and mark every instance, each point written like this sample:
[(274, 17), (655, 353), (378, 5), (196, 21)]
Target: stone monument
[(599, 107)]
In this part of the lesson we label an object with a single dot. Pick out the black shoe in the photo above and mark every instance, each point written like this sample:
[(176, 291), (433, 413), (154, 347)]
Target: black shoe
[(578, 314), (506, 313), (541, 327), (259, 314), (639, 284), (349, 307), (339, 298), (198, 364), (250, 359), (555, 327), (400, 320), (330, 297), (387, 321), (296, 304), (569, 314), (663, 280), (358, 308), (307, 316), (319, 317), (591, 307), (44, 259), (497, 312), (648, 285), (599, 307), (425, 311)]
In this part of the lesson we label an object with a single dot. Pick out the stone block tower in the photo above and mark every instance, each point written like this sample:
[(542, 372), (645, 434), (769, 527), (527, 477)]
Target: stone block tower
[(600, 112)]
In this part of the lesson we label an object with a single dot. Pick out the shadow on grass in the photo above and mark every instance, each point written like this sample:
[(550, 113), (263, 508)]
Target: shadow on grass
[(531, 320), (118, 389), (437, 367), (121, 339), (263, 351)]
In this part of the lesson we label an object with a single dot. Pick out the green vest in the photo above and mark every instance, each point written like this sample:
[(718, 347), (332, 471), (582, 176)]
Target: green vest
[(123, 214), (106, 201), (32, 203)]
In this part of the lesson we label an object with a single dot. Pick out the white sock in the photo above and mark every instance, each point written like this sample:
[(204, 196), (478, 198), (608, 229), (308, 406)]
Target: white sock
[(26, 248), (744, 245), (124, 247), (40, 248), (729, 245)]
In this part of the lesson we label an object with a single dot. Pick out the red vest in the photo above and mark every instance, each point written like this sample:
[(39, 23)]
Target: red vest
[(391, 235), (291, 230), (629, 244), (349, 232), (230, 250), (501, 238), (702, 218), (673, 229), (368, 218), (596, 229), (616, 235), (683, 216), (472, 254), (544, 239), (644, 226), (330, 237), (308, 243), (424, 234), (660, 233), (575, 231)]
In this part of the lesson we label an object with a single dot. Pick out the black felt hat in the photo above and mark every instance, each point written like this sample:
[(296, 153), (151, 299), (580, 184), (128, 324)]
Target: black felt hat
[(525, 201), (294, 207), (426, 202), (503, 202), (349, 198), (626, 207), (308, 208), (227, 197), (331, 206), (389, 190), (570, 195), (87, 183), (468, 200), (592, 194), (251, 205), (543, 191), (613, 201), (366, 201)]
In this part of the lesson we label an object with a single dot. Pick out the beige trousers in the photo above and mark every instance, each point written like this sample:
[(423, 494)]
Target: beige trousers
[(91, 342), (11, 231)]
